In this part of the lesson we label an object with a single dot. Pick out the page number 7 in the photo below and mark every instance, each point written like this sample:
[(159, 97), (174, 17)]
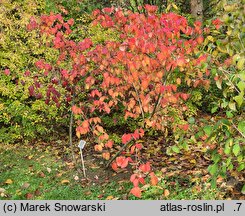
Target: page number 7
[(238, 206)]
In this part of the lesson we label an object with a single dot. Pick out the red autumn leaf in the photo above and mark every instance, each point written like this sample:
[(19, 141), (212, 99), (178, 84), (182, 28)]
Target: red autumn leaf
[(76, 110), (133, 177), (29, 196), (174, 88), (85, 124), (184, 127), (180, 62), (184, 96), (199, 40), (136, 182), (136, 135), (125, 163), (106, 155), (132, 149), (7, 72), (114, 166), (109, 144), (141, 132), (120, 160), (138, 146), (151, 8), (126, 138), (145, 83), (136, 191), (216, 78), (96, 12), (145, 167), (98, 148), (141, 180), (107, 10), (154, 179), (130, 160), (161, 56)]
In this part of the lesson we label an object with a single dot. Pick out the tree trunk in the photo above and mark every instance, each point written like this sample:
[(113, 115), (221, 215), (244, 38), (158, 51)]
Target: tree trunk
[(197, 9)]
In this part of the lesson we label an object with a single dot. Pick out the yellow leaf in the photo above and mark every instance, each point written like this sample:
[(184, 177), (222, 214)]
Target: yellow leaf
[(210, 38), (240, 63), (30, 157), (2, 190), (193, 161), (109, 197), (65, 181), (175, 6), (76, 178), (9, 181), (178, 81), (168, 8), (166, 193)]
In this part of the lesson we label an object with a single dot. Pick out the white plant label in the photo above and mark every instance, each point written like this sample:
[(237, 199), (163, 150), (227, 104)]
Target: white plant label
[(81, 144)]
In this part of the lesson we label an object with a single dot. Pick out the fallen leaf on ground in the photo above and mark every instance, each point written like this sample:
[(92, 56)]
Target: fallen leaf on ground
[(100, 196), (48, 169), (18, 192), (136, 191), (30, 157), (41, 174), (9, 181), (65, 181), (59, 175), (29, 196), (166, 193), (37, 192), (109, 197), (25, 185), (2, 190), (88, 193)]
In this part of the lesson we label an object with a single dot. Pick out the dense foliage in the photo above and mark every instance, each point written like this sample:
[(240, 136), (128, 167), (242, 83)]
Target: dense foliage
[(126, 77), (21, 116)]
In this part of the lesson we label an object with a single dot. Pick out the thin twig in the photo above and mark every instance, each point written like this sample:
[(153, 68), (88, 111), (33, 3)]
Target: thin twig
[(139, 101), (70, 137), (159, 98), (224, 72), (238, 129), (119, 152)]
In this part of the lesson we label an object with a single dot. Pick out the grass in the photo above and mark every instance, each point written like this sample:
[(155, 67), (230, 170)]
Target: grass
[(33, 173)]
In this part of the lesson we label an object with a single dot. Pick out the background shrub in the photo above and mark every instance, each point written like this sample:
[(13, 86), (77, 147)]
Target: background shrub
[(22, 116)]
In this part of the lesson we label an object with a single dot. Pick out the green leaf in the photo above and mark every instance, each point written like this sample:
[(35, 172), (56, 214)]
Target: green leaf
[(213, 169), (240, 63), (232, 106), (229, 114), (208, 129), (242, 75), (241, 126), (239, 99), (241, 167), (191, 120), (236, 149), (243, 189), (218, 83), (241, 86), (214, 109), (176, 149), (228, 145), (216, 158)]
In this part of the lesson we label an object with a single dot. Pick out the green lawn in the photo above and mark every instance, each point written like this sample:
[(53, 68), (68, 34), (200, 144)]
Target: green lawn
[(33, 173)]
